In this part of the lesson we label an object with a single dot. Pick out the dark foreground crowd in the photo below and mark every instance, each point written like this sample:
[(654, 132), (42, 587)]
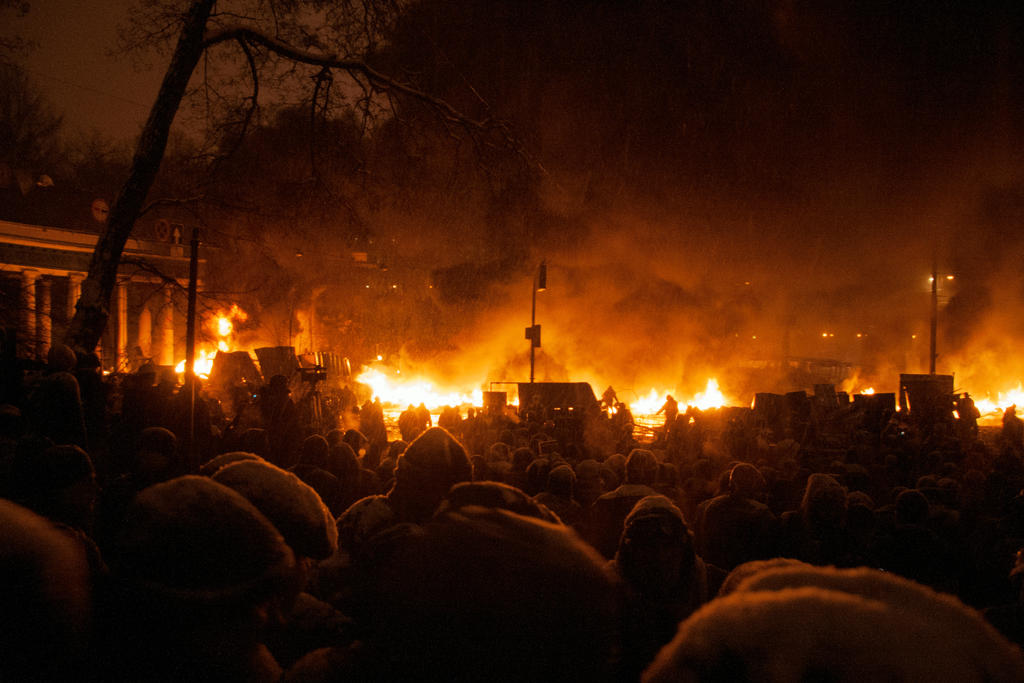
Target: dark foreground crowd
[(480, 551)]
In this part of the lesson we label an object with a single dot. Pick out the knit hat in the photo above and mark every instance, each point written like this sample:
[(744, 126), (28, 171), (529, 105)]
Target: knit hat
[(288, 502)]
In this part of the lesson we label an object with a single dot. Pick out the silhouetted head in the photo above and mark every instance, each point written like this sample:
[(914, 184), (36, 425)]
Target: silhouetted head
[(641, 467), (429, 467), (485, 594), (746, 481), (289, 503)]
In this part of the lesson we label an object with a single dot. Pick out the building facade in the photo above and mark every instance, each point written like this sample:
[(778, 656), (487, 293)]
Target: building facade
[(41, 274)]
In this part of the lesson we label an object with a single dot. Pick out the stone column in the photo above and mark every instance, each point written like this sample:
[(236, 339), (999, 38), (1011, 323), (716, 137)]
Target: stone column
[(74, 291), (145, 336), (167, 330), (44, 323), (27, 329), (122, 326)]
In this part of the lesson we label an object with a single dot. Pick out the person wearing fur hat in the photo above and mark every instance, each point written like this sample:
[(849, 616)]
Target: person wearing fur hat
[(46, 627), (298, 622), (195, 571), (800, 623), (479, 594), (430, 465), (664, 577)]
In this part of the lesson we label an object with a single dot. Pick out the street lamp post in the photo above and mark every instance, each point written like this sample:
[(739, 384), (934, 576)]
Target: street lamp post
[(540, 283), (932, 353)]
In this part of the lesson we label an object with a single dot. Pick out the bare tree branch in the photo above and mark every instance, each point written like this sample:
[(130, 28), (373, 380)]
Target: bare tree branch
[(375, 78)]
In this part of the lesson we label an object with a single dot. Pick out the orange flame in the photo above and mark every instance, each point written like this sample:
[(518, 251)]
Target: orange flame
[(222, 326), (391, 387)]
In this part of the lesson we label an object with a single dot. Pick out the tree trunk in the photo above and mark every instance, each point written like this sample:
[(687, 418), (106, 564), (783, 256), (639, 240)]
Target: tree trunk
[(93, 307)]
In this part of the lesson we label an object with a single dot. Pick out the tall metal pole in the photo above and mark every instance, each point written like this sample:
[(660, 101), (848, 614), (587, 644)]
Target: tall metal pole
[(932, 355), (190, 350), (533, 326), (540, 283)]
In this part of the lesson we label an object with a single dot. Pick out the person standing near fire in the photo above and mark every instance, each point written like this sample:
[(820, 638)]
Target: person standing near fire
[(671, 410)]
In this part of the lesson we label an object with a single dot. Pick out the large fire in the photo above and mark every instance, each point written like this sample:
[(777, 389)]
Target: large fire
[(391, 387), (992, 408), (651, 402), (398, 390), (221, 328)]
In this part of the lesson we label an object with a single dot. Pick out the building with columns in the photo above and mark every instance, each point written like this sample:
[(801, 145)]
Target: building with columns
[(41, 274)]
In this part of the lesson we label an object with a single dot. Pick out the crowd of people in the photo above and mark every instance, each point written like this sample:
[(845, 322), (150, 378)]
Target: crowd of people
[(490, 548)]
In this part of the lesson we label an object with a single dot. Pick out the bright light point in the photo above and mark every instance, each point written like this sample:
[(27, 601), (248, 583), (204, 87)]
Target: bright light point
[(367, 286), (380, 357), (913, 336), (859, 335), (824, 334), (869, 391), (950, 277), (754, 337), (747, 283), (931, 279)]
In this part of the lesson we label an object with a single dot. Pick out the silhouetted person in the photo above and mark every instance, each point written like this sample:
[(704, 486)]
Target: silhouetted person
[(816, 623), (736, 527), (281, 421), (1013, 429), (297, 622), (605, 519), (666, 580), (480, 594), (816, 533), (196, 572), (433, 463), (55, 402), (558, 495), (45, 630)]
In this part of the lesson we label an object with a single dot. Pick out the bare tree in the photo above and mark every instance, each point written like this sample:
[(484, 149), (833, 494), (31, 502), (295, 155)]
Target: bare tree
[(271, 40)]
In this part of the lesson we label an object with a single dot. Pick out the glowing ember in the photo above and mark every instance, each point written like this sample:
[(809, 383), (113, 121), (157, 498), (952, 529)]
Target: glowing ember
[(396, 389)]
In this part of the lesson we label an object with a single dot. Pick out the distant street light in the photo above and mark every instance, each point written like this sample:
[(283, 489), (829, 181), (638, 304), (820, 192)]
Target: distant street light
[(540, 284)]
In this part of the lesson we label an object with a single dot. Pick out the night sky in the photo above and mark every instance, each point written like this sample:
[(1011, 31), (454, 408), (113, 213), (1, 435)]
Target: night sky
[(712, 182)]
